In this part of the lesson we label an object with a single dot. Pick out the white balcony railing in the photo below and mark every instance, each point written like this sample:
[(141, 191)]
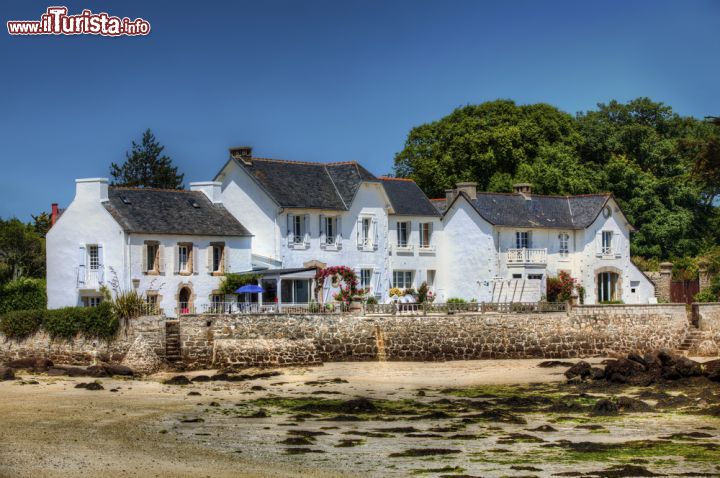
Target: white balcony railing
[(527, 256), (403, 248), (89, 279)]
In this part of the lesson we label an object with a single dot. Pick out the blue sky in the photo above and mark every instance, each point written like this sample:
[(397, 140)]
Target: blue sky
[(322, 80)]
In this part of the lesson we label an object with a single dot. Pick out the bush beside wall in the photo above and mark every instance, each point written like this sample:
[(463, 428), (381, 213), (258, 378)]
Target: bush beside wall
[(23, 294), (92, 322)]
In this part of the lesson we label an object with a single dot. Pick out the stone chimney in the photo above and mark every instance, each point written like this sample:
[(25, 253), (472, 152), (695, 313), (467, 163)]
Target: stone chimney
[(522, 188), (242, 153), (449, 196), (468, 188), (212, 189), (54, 213), (91, 190)]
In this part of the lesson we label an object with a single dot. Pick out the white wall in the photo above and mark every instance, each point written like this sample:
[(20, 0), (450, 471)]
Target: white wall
[(201, 281), (467, 254), (84, 221), (369, 201), (417, 261), (590, 262), (255, 210)]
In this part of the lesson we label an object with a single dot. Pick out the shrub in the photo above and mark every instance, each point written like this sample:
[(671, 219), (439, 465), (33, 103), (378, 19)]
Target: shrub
[(93, 322), (129, 304), (18, 324), (456, 300), (63, 323), (23, 294), (232, 282), (711, 293), (100, 322), (371, 300), (560, 288)]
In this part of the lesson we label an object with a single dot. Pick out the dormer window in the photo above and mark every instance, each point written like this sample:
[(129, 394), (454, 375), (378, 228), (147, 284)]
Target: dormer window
[(607, 241), (522, 239)]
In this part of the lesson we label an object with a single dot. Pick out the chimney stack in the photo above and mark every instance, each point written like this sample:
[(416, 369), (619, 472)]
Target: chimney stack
[(522, 188), (449, 195), (242, 153), (54, 214), (468, 188), (212, 189)]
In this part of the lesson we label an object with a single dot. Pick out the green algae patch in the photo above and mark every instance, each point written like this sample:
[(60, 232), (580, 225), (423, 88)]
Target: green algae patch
[(444, 469), (627, 451)]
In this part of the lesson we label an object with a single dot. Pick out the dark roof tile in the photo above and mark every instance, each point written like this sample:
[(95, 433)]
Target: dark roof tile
[(407, 198), (166, 211)]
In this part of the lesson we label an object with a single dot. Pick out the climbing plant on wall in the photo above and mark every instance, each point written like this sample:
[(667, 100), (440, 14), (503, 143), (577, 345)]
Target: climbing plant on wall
[(346, 279)]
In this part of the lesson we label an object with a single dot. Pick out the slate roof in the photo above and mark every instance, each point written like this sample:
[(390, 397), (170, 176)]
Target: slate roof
[(514, 210), (407, 198), (167, 211)]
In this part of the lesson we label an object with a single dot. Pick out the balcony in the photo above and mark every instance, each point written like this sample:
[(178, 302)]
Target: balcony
[(403, 248), (525, 256), (90, 279), (426, 249)]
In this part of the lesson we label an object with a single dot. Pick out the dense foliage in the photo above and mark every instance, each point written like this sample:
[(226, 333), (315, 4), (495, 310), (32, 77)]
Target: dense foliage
[(146, 166), (22, 251), (23, 294), (711, 293), (660, 166), (232, 282), (345, 278), (92, 322), (560, 288)]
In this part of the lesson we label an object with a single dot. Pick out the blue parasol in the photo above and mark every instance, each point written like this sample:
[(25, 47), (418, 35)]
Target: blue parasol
[(250, 289)]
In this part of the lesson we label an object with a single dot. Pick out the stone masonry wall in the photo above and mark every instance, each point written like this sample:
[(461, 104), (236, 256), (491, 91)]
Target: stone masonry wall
[(707, 317), (83, 351), (585, 331), (258, 340)]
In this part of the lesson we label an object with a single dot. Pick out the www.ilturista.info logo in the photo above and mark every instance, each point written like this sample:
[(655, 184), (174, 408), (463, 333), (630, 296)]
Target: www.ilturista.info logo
[(56, 21)]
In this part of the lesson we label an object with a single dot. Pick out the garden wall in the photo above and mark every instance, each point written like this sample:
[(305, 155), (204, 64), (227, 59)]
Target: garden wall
[(84, 351), (261, 340), (707, 319)]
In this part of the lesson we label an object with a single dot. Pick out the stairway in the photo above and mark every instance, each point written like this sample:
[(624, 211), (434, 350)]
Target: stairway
[(173, 353), (691, 339)]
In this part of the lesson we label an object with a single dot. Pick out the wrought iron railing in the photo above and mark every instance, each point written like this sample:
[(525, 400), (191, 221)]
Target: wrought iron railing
[(282, 308), (467, 307)]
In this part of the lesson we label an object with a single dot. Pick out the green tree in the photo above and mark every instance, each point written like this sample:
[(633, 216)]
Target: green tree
[(145, 166), (42, 223), (22, 251)]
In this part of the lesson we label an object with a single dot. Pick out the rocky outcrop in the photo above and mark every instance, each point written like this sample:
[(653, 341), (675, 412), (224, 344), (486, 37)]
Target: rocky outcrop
[(142, 358)]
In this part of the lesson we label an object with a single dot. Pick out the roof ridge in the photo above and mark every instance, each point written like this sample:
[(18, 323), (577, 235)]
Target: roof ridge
[(133, 188), (312, 163), (560, 196), (388, 178)]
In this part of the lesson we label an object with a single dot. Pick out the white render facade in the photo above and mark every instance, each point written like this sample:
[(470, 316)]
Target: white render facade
[(284, 219)]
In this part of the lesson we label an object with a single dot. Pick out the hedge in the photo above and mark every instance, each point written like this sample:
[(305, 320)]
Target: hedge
[(23, 294), (92, 322)]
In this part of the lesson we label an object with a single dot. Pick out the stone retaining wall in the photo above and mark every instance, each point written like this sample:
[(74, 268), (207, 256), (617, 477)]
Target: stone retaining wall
[(707, 319), (257, 340), (83, 351)]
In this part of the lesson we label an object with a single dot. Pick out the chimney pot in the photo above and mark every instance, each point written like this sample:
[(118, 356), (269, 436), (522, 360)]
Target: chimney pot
[(54, 213), (242, 153), (522, 188), (469, 188)]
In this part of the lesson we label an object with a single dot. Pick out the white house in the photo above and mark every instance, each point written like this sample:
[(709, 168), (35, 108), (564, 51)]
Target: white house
[(172, 246), (282, 220), (503, 247)]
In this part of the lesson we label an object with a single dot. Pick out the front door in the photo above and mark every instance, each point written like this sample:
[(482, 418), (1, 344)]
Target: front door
[(607, 287), (184, 301)]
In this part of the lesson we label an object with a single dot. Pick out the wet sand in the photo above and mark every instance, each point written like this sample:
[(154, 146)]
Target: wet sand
[(53, 429)]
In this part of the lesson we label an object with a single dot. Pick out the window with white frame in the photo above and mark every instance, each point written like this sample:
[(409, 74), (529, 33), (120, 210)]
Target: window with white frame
[(93, 254), (522, 239), (216, 263), (564, 249), (402, 279), (151, 251), (183, 258), (297, 230), (431, 278), (607, 240), (366, 231), (91, 301), (330, 225), (366, 278), (403, 234), (425, 234)]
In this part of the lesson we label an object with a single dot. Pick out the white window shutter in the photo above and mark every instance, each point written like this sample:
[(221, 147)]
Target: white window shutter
[(161, 259), (306, 228), (359, 232), (338, 231), (375, 232), (430, 233), (195, 259), (323, 230), (209, 262), (290, 229), (376, 282), (176, 258), (598, 243), (226, 259), (144, 262), (81, 265), (101, 264), (529, 240), (616, 243)]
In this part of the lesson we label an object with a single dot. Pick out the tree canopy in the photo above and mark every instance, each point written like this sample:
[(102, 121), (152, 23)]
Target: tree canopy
[(658, 165), (22, 251), (146, 166)]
